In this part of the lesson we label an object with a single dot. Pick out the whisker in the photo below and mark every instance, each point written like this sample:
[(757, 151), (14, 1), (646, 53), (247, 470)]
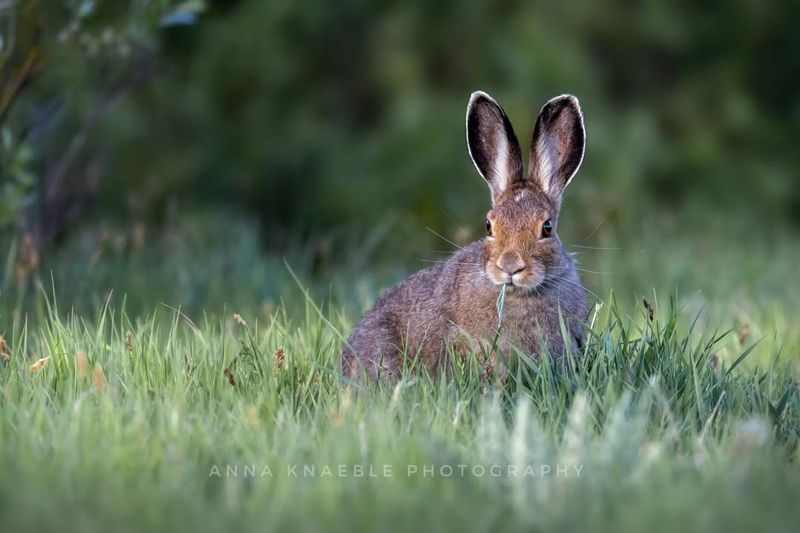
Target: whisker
[(444, 238), (594, 272), (442, 261), (597, 227), (599, 299), (547, 284), (577, 284), (594, 247)]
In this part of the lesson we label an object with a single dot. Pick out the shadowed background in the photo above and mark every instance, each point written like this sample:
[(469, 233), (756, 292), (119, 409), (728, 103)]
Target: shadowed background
[(179, 151)]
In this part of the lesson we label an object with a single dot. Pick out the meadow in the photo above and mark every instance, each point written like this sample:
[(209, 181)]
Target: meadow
[(198, 200), (188, 381)]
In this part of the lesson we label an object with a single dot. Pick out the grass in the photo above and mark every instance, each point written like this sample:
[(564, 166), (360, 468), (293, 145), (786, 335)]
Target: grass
[(154, 418)]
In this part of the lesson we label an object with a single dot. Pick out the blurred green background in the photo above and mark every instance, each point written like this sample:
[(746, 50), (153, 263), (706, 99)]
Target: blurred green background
[(196, 155), (210, 140)]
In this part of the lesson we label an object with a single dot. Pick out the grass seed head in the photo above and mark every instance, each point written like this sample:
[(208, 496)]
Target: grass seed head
[(39, 364), (129, 341), (99, 378), (81, 365), (239, 320), (228, 373), (280, 354), (5, 353), (27, 260), (744, 331), (650, 310)]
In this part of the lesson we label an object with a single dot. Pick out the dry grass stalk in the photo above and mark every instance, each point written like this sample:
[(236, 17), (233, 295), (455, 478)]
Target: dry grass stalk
[(99, 378), (5, 353), (39, 364), (81, 365)]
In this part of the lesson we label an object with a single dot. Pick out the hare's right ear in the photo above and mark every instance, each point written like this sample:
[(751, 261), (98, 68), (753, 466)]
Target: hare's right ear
[(559, 140), (492, 144)]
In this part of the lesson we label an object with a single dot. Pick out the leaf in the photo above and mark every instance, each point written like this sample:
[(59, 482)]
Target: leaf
[(742, 357), (784, 400)]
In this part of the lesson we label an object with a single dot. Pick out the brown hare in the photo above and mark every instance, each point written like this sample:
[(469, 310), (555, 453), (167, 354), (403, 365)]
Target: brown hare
[(454, 303)]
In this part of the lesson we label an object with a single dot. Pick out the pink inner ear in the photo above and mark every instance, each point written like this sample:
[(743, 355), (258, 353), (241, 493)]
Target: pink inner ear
[(562, 145)]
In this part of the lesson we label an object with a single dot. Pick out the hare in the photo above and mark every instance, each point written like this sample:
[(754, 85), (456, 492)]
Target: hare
[(454, 304)]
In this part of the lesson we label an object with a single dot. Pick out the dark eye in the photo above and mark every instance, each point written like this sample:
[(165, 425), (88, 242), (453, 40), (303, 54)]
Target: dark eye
[(547, 228), (488, 228)]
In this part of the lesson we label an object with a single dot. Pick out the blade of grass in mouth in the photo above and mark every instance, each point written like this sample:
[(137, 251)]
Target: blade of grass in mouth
[(501, 299)]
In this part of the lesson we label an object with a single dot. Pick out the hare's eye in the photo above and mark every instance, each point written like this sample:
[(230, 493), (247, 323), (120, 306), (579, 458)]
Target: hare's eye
[(488, 228), (547, 228)]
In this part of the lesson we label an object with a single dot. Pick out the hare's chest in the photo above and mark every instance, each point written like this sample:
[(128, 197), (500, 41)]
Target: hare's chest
[(495, 339), (526, 322), (521, 321)]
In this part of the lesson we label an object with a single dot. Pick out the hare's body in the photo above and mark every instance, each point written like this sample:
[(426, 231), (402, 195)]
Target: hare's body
[(454, 304)]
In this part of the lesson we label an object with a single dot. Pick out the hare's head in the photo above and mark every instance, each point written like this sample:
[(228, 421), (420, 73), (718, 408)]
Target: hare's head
[(521, 246)]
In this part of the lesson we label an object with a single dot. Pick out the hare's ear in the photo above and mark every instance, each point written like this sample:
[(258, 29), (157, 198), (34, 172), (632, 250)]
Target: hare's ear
[(559, 139), (492, 144)]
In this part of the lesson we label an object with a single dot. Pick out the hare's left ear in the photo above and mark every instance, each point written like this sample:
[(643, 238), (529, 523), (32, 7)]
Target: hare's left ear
[(492, 144), (559, 140)]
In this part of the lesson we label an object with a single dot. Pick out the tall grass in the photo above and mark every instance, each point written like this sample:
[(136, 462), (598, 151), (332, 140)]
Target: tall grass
[(139, 394), (155, 421)]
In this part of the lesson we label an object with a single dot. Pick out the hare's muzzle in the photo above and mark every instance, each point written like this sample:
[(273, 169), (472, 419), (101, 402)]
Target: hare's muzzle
[(510, 263)]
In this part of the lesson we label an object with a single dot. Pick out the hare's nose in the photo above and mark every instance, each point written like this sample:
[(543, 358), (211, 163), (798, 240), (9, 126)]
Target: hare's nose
[(511, 263)]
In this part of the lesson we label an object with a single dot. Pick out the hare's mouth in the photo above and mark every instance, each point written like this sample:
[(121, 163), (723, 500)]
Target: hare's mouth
[(525, 279)]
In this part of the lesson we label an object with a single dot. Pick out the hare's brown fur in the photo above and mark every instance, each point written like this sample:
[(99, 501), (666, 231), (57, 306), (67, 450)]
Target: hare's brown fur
[(453, 304)]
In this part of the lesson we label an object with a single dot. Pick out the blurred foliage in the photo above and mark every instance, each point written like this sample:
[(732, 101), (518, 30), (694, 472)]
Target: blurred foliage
[(63, 67), (17, 179), (319, 115)]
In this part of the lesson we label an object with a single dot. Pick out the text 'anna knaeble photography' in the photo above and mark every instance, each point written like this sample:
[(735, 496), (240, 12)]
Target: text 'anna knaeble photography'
[(303, 471)]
